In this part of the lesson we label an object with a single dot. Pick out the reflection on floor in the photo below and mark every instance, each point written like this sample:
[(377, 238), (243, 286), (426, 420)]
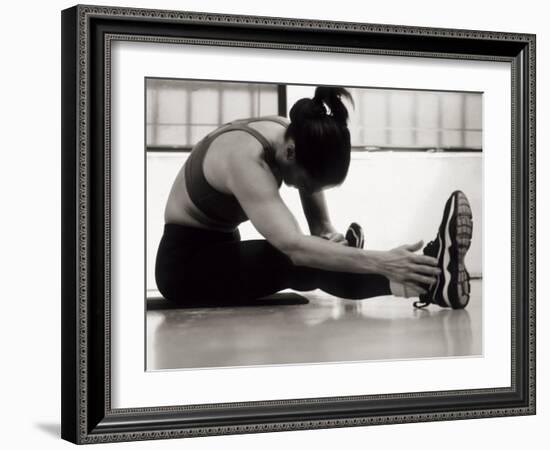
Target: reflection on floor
[(327, 329)]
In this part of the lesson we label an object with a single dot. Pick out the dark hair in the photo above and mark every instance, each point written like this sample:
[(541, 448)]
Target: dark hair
[(322, 138)]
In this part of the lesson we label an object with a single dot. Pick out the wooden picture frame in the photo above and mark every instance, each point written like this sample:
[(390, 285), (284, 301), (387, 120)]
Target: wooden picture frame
[(87, 35)]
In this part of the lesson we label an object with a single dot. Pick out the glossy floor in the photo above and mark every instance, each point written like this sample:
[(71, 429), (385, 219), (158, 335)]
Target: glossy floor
[(327, 329)]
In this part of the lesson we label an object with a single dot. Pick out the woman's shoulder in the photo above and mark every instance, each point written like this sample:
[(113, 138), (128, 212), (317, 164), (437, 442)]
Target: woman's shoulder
[(245, 143), (246, 151), (276, 118), (265, 118), (236, 144)]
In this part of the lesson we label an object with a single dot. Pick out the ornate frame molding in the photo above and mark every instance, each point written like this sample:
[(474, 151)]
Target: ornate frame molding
[(85, 421)]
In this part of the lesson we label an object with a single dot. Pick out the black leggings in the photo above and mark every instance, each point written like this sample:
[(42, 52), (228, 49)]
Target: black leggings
[(202, 267)]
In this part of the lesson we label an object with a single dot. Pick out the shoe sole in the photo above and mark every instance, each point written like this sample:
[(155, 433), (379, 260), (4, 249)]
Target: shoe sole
[(455, 238)]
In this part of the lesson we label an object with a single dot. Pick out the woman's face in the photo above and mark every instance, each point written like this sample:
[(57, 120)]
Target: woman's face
[(295, 175)]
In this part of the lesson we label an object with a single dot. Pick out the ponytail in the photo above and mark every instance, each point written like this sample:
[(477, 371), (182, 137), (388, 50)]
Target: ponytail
[(319, 128), (331, 96), (314, 108)]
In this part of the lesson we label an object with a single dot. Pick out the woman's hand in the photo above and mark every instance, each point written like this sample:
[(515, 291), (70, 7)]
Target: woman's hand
[(404, 266), (334, 236)]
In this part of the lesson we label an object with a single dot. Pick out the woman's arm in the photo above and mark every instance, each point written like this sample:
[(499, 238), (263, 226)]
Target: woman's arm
[(315, 209), (252, 182)]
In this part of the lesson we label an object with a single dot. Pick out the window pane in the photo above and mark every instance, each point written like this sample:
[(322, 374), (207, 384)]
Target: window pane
[(473, 112), (171, 106), (415, 119), (181, 112)]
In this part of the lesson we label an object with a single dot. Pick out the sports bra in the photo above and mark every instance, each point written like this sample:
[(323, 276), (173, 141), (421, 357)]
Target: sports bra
[(223, 208)]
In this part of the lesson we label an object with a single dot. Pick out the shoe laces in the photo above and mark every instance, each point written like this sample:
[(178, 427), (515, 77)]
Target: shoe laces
[(419, 304)]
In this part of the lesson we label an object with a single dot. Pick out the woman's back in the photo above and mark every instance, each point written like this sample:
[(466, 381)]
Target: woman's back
[(199, 196)]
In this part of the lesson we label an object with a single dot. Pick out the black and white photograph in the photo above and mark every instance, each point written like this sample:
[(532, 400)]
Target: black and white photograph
[(282, 223), (306, 224)]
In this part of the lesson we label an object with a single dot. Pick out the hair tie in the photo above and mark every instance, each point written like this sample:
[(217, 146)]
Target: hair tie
[(321, 109)]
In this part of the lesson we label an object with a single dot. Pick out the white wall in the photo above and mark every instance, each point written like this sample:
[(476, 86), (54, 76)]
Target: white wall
[(30, 242)]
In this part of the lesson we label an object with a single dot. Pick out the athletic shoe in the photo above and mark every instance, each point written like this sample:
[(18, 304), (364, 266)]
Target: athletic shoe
[(355, 236), (452, 286)]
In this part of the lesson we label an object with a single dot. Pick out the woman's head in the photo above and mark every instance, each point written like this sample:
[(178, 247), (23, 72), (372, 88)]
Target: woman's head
[(320, 137)]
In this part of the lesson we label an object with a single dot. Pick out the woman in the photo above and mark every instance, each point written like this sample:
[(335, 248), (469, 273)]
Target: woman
[(233, 175)]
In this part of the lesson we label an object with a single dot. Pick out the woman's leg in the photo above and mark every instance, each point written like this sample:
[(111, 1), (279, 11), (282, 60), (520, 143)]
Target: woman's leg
[(254, 268)]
